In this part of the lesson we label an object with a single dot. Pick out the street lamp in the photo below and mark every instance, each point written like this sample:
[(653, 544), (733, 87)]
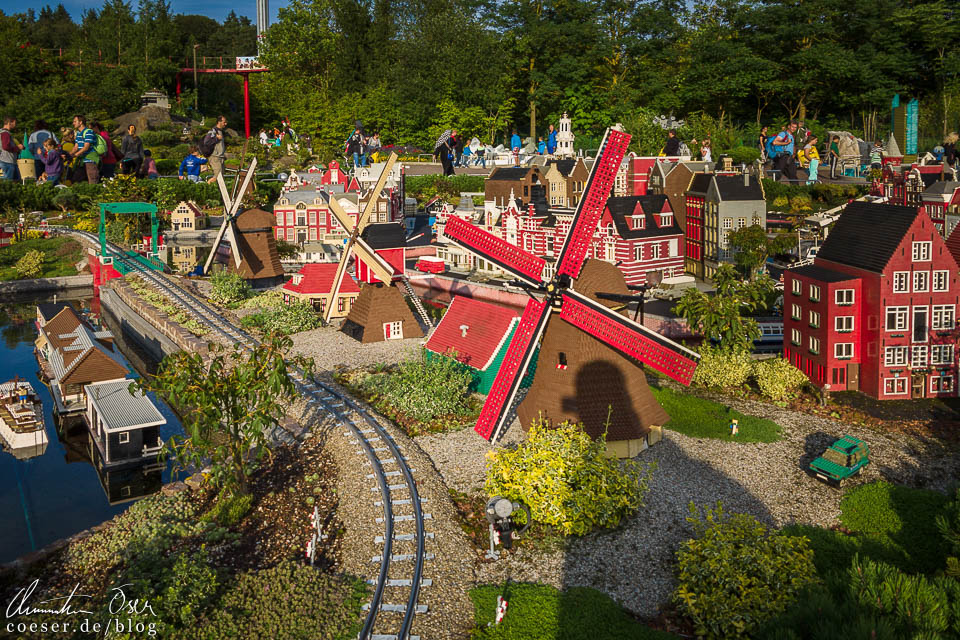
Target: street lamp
[(196, 89), (654, 278)]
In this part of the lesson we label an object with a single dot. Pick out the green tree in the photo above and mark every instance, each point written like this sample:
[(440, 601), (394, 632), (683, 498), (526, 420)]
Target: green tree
[(230, 403), (752, 247), (31, 264)]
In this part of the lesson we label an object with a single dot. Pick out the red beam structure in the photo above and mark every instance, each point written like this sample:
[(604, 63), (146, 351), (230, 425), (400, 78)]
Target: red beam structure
[(246, 85)]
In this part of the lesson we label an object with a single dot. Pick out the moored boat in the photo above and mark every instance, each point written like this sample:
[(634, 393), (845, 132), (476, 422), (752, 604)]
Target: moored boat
[(22, 425)]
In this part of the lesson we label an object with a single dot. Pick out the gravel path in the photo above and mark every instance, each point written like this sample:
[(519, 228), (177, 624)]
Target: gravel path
[(766, 480), (329, 348)]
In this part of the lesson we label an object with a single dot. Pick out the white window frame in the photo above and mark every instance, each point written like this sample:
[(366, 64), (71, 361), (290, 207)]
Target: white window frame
[(123, 437), (921, 281), (814, 345), (655, 251), (941, 280), (921, 251), (796, 287), (895, 356), (943, 317), (903, 318), (843, 350), (918, 356), (393, 330), (796, 313), (840, 295), (901, 282), (897, 388), (937, 384), (727, 223), (796, 338), (814, 319), (815, 293), (843, 324), (941, 354)]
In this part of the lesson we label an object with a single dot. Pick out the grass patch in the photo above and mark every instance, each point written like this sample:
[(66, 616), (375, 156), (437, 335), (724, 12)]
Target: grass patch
[(885, 523), (541, 612), (701, 418), (230, 510), (61, 254)]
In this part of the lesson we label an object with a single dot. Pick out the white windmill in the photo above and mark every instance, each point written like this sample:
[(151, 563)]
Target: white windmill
[(231, 208)]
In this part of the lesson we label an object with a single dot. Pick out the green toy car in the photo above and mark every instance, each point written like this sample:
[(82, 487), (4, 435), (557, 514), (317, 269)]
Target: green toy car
[(844, 458)]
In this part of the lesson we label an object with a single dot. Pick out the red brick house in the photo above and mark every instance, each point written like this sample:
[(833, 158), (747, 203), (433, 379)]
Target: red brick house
[(876, 312), (941, 201)]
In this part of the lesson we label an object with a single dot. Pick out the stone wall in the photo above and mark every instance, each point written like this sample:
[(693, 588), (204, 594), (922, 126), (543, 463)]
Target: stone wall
[(63, 283), (159, 320)]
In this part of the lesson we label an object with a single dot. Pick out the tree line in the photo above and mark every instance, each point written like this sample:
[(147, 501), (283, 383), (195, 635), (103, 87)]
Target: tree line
[(415, 67)]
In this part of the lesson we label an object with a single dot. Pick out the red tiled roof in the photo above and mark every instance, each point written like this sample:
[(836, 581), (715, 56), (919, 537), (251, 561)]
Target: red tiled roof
[(953, 244), (318, 278), (487, 327)]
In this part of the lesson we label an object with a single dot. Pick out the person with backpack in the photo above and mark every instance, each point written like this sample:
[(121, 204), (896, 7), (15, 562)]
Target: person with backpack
[(214, 147), (88, 143), (9, 149), (108, 161), (355, 147), (783, 146)]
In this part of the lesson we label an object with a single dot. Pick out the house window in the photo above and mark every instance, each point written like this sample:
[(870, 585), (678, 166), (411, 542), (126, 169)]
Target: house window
[(796, 287), (795, 337), (921, 281), (741, 223), (654, 251), (392, 330), (843, 296), (340, 304), (941, 280), (920, 324), (280, 218), (844, 324), (549, 245), (894, 386), (313, 234), (125, 491), (897, 318), (941, 354), (901, 281), (727, 223), (814, 345), (943, 316), (921, 251), (895, 356), (814, 293), (843, 350), (124, 437), (941, 384), (918, 356), (666, 220), (289, 235), (814, 319), (795, 311)]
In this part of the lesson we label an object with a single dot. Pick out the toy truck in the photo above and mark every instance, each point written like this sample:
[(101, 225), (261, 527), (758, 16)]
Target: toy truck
[(844, 458)]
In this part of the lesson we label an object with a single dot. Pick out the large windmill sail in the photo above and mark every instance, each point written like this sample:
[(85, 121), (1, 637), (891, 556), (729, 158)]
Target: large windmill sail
[(231, 207)]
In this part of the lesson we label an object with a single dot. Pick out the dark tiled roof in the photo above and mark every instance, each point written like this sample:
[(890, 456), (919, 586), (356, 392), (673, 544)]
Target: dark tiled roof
[(385, 235), (733, 188), (565, 167), (867, 234), (953, 244), (942, 186), (48, 310), (700, 183), (929, 179), (822, 274), (509, 173), (624, 206)]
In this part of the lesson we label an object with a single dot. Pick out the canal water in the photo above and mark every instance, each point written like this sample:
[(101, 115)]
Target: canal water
[(61, 492)]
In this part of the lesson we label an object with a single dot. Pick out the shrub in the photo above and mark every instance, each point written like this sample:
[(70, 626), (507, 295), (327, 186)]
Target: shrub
[(777, 379), (538, 611), (820, 615), (272, 299), (230, 509), (421, 390), (722, 368), (744, 155), (31, 264), (800, 203), (733, 575), (284, 319), (228, 287), (163, 137), (780, 203), (89, 225), (567, 480), (167, 166)]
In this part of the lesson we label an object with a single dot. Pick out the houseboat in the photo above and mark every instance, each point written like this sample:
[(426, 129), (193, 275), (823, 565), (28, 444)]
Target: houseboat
[(124, 424), (22, 425)]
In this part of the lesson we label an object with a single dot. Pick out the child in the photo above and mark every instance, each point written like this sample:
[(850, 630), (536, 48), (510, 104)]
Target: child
[(813, 158), (52, 162), (192, 165), (876, 155), (833, 156), (149, 168), (705, 151), (541, 146)]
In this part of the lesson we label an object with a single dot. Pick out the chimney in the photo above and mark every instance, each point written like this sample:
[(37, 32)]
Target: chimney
[(463, 330)]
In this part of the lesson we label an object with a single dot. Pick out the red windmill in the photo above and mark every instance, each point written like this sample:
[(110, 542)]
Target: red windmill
[(620, 336)]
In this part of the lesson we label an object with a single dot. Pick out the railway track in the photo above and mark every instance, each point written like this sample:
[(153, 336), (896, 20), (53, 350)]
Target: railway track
[(391, 475)]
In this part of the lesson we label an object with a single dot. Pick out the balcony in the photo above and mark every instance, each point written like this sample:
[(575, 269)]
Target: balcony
[(152, 451)]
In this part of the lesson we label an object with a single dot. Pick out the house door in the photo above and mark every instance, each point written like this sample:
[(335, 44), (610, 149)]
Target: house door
[(918, 382), (853, 376), (301, 236), (392, 330)]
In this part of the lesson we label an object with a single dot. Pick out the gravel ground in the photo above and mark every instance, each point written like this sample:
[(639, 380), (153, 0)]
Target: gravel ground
[(766, 480), (329, 347)]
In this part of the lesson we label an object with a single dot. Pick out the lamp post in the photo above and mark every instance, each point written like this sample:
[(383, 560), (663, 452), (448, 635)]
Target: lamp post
[(196, 89)]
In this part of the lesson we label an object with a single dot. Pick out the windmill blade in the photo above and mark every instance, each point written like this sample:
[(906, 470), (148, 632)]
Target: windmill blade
[(337, 282), (628, 337), (231, 236), (523, 265), (224, 194), (380, 267), (235, 206), (216, 243), (496, 410), (342, 216), (375, 194), (591, 204)]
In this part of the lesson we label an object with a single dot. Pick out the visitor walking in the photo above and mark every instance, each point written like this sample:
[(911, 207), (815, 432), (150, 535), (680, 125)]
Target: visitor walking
[(876, 155), (86, 148), (216, 139), (35, 143), (833, 156), (480, 156), (812, 155), (9, 149), (672, 146), (706, 152), (515, 144), (149, 168), (762, 142), (551, 140), (373, 147), (541, 146), (465, 156), (131, 150), (950, 148), (783, 146), (355, 147), (108, 162)]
